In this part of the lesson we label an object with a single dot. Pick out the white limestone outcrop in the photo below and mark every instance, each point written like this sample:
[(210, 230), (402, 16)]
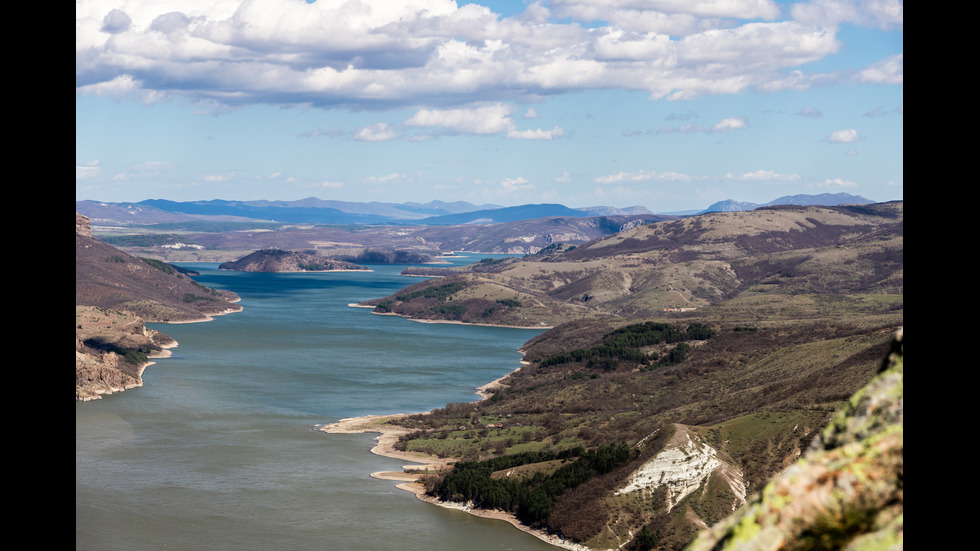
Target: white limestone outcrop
[(682, 466)]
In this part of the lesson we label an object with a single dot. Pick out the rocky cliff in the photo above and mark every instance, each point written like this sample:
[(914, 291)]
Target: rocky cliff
[(111, 351), (682, 467), (115, 293)]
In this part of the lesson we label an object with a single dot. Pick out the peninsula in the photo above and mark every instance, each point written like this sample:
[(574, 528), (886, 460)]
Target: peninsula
[(115, 294)]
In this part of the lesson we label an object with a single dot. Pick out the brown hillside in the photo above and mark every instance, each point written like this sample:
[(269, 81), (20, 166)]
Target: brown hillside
[(691, 263), (715, 347), (521, 237), (115, 293), (109, 278), (275, 260)]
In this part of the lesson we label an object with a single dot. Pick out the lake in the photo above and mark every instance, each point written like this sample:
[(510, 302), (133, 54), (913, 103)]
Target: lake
[(217, 450)]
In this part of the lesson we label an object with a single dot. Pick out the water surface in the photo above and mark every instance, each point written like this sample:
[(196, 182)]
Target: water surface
[(217, 450)]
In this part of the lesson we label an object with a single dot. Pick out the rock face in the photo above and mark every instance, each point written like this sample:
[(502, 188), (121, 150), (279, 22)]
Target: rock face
[(276, 260), (114, 294), (83, 225), (111, 351), (682, 467), (847, 492)]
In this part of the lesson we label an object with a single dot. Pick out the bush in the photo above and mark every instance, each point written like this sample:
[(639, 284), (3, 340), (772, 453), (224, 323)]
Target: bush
[(625, 343)]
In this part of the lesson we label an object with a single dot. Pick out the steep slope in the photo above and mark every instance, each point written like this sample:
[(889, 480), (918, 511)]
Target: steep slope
[(847, 492), (114, 294), (109, 278), (112, 349), (704, 431)]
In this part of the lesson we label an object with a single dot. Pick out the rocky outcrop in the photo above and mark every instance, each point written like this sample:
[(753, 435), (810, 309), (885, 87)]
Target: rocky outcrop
[(847, 492), (114, 294), (83, 226), (111, 351), (276, 260), (682, 467)]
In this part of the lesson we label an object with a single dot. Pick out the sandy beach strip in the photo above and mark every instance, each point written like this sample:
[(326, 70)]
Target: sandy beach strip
[(408, 478)]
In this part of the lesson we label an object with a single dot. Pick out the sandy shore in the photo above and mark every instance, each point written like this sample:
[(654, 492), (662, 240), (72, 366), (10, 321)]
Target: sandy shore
[(454, 322), (207, 317), (408, 478), (388, 435)]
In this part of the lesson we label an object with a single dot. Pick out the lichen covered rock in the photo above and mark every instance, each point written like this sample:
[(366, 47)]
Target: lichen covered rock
[(845, 493)]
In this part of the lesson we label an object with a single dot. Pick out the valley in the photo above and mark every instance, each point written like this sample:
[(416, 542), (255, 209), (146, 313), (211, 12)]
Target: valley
[(687, 362)]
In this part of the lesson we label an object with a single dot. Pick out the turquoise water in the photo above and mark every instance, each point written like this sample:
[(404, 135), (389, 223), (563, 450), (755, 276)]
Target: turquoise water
[(217, 449)]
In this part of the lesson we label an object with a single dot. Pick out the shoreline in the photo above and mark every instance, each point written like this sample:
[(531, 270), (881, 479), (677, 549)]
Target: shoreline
[(96, 392), (209, 317), (408, 477), (450, 322)]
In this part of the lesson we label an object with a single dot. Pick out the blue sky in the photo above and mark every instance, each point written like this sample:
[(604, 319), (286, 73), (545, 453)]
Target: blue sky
[(668, 104)]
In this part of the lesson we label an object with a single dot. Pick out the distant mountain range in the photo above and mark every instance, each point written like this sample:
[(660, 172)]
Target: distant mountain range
[(823, 199), (434, 213)]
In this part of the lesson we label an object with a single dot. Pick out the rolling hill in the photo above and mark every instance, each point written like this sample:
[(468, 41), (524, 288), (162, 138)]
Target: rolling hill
[(712, 260), (689, 362)]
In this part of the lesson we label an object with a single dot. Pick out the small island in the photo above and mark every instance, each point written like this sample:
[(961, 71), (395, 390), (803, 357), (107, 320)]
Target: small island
[(277, 260)]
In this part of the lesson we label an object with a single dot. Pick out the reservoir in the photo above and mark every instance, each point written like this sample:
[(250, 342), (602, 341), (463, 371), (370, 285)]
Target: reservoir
[(217, 450)]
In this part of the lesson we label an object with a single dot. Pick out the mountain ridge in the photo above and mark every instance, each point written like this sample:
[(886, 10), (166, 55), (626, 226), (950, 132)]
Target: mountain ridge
[(313, 210), (692, 262), (822, 199)]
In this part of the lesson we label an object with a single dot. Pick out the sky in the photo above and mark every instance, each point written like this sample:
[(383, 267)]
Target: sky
[(668, 104)]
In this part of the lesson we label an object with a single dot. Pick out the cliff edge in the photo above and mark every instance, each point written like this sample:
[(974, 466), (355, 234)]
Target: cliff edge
[(115, 294), (847, 492)]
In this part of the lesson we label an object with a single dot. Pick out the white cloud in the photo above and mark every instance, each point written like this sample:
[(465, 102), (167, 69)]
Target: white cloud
[(725, 125), (116, 21), (843, 136), (729, 124), (887, 71), (387, 178), (675, 17), (88, 170), (643, 176), (882, 14), (481, 120), (439, 54), (123, 86), (487, 119), (538, 134), (375, 133), (836, 182), (769, 176), (509, 185), (811, 112)]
